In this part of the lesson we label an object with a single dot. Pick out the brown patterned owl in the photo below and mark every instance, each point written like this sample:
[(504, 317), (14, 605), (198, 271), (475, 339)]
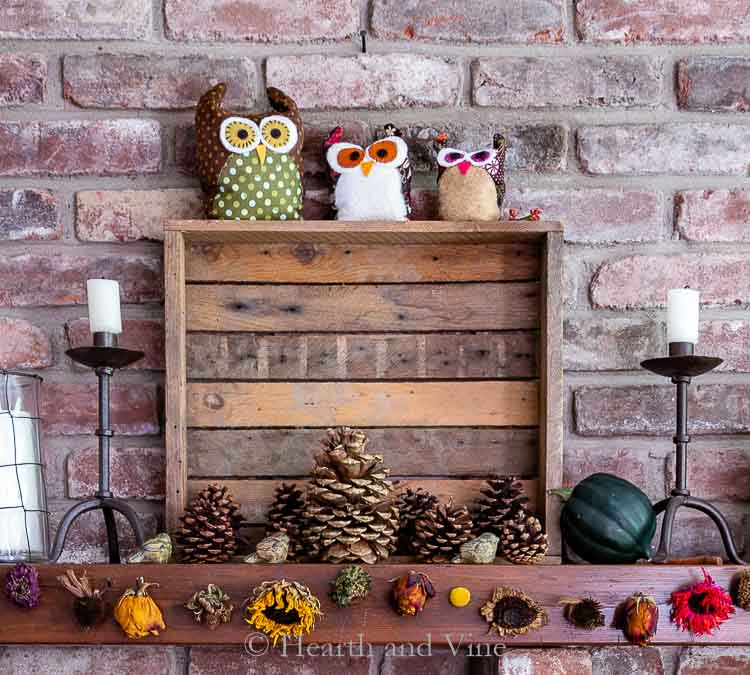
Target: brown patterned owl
[(250, 165), (471, 185)]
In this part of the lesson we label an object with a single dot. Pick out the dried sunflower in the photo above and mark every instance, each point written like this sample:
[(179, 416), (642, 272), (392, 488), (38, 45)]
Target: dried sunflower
[(583, 612), (511, 612), (280, 608)]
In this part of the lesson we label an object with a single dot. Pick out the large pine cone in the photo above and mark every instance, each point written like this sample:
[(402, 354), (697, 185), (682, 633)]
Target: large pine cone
[(412, 505), (441, 531), (349, 515), (208, 533), (523, 541), (502, 500), (287, 514)]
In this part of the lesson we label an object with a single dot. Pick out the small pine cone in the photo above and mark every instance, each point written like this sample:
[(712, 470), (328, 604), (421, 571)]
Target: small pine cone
[(287, 514), (742, 594), (208, 531), (523, 541), (412, 505), (501, 501), (441, 531)]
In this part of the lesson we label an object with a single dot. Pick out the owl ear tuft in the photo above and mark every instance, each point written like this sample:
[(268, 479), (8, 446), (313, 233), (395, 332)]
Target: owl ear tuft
[(499, 142), (213, 98), (281, 103)]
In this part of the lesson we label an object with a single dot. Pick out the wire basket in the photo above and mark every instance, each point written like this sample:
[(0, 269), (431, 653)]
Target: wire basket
[(24, 519)]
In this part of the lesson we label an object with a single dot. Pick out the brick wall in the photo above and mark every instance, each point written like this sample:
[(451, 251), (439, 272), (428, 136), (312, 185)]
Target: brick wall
[(627, 120)]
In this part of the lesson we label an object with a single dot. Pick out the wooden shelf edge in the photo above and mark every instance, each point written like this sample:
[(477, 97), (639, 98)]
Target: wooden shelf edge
[(52, 622)]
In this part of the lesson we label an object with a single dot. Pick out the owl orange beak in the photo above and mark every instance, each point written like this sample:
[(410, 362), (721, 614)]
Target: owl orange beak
[(261, 150), (464, 167), (366, 167)]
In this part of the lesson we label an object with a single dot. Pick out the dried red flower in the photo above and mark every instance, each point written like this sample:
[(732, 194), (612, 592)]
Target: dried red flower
[(702, 607), (512, 214)]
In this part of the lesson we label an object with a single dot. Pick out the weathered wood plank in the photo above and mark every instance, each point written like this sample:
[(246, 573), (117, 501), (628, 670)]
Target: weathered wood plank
[(370, 308), (452, 451), (322, 263), (174, 280), (412, 404), (249, 356), (373, 619), (255, 496)]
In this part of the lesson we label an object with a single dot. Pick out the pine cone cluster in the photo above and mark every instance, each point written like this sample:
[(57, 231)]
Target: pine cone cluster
[(441, 531), (209, 527), (287, 514), (349, 516), (412, 505)]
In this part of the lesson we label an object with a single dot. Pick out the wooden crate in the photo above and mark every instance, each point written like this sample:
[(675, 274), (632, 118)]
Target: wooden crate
[(442, 340)]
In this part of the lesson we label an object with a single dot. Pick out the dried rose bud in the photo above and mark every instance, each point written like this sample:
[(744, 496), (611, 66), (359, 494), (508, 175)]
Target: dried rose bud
[(638, 618), (22, 585), (411, 592)]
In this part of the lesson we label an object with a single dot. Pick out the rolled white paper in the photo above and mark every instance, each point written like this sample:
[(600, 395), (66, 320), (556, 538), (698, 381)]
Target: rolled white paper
[(104, 306), (682, 315)]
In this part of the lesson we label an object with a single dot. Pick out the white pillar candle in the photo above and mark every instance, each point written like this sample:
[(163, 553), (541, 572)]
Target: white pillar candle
[(682, 315), (104, 306)]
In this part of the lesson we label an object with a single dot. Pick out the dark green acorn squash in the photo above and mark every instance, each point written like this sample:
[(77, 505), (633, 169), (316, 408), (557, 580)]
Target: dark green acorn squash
[(608, 520)]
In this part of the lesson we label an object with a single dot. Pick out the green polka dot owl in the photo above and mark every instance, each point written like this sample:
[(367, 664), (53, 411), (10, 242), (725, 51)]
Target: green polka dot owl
[(250, 166)]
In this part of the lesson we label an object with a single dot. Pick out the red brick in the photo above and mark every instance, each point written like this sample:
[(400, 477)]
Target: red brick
[(713, 215), (39, 280), (592, 344), (714, 83), (728, 340), (80, 147), (663, 21), (235, 661), (567, 82), (131, 215), (427, 662), (621, 660), (23, 79), (184, 149), (87, 538), (317, 205), (481, 21), (135, 473), (261, 20), (23, 345), (74, 20), (424, 204), (721, 474), (714, 660), (694, 534), (29, 214), (71, 409), (536, 148), (99, 659), (649, 410), (679, 149), (146, 335), (643, 281), (545, 662), (355, 131), (140, 81), (643, 467), (380, 81), (598, 216)]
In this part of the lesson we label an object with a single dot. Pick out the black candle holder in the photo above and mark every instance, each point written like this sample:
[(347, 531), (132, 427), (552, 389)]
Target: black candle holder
[(104, 357), (681, 366)]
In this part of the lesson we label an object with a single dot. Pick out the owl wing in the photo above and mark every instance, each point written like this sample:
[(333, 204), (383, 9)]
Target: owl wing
[(406, 174), (496, 168), (211, 155)]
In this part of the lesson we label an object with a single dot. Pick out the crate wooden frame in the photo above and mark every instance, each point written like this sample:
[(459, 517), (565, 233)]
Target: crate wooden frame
[(547, 235)]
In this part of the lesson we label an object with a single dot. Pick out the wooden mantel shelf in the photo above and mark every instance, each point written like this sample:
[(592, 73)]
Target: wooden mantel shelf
[(53, 623)]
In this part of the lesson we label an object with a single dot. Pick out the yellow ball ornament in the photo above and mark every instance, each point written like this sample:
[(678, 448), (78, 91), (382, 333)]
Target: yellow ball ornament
[(460, 596)]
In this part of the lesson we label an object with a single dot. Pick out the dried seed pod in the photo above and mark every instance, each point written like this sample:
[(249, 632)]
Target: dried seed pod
[(583, 612), (742, 590), (350, 585), (511, 612), (638, 618), (89, 606), (211, 606)]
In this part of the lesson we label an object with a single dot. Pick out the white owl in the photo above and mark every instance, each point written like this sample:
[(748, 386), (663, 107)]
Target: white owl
[(371, 183)]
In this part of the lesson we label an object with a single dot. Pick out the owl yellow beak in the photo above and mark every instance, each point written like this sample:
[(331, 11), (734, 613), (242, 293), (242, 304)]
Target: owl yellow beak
[(261, 150), (367, 167)]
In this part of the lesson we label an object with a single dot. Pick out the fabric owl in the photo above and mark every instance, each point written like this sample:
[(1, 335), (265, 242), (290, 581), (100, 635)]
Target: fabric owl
[(471, 185), (250, 165), (372, 183)]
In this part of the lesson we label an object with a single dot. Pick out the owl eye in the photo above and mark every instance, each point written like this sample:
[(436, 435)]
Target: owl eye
[(481, 157), (450, 157), (239, 135), (278, 133), (391, 150), (344, 157)]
